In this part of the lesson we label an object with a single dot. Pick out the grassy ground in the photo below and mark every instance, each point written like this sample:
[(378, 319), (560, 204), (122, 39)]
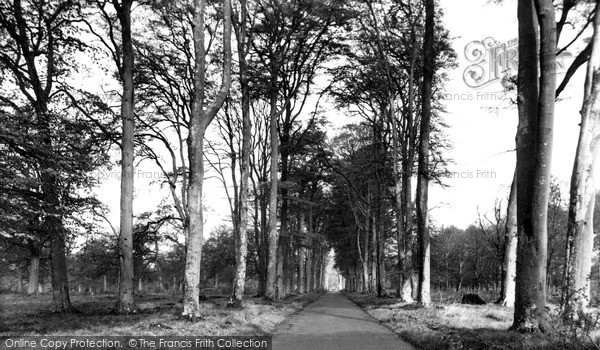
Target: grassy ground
[(450, 325), (22, 315)]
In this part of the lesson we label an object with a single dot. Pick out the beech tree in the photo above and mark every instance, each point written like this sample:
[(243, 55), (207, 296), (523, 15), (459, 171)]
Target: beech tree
[(582, 203), (35, 40), (241, 231), (202, 115), (536, 96), (424, 296), (126, 303)]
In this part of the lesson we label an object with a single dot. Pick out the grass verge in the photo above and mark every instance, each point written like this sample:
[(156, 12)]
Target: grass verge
[(450, 326), (22, 315)]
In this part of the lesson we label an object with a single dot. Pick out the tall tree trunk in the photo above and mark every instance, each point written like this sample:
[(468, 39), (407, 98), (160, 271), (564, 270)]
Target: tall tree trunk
[(381, 290), (424, 296), (309, 264), (53, 225), (242, 238), (534, 155), (366, 281), (363, 262), (60, 283), (301, 270), (282, 259), (507, 292), (125, 302), (374, 250), (408, 158), (581, 206), (271, 287), (201, 118), (34, 269), (301, 255)]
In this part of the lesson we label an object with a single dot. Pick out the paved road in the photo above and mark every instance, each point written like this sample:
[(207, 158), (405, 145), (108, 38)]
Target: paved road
[(333, 322)]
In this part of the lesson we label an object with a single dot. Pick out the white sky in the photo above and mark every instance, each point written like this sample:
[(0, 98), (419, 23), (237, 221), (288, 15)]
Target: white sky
[(481, 138)]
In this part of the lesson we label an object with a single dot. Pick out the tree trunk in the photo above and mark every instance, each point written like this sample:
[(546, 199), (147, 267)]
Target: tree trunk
[(581, 206), (534, 147), (282, 259), (34, 270), (200, 120), (424, 297), (126, 302), (241, 248), (363, 286), (407, 173), (365, 262), (60, 283), (507, 292), (374, 255), (309, 266), (301, 270), (271, 287)]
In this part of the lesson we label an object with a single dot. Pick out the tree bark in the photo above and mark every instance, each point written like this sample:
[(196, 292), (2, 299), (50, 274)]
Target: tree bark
[(60, 283), (581, 206), (34, 270), (374, 251), (507, 293), (200, 120), (271, 287), (424, 297), (408, 157), (309, 265), (239, 281), (534, 155), (126, 302), (301, 270)]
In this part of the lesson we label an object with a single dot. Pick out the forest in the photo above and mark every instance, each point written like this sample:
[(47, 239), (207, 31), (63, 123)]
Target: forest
[(189, 165)]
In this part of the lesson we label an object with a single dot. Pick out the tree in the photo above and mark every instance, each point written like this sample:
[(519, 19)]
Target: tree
[(126, 302), (241, 249), (582, 203), (424, 297), (534, 154), (37, 41), (202, 116)]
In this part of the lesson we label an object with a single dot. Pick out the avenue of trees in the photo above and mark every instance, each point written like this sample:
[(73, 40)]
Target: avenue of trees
[(243, 91)]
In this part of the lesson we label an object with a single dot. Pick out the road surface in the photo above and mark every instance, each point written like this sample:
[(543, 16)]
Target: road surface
[(335, 323)]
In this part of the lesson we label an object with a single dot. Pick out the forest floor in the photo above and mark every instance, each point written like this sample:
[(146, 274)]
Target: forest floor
[(22, 315), (450, 325)]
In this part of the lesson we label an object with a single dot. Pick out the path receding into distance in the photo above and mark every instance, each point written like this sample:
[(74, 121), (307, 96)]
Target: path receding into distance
[(335, 323)]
